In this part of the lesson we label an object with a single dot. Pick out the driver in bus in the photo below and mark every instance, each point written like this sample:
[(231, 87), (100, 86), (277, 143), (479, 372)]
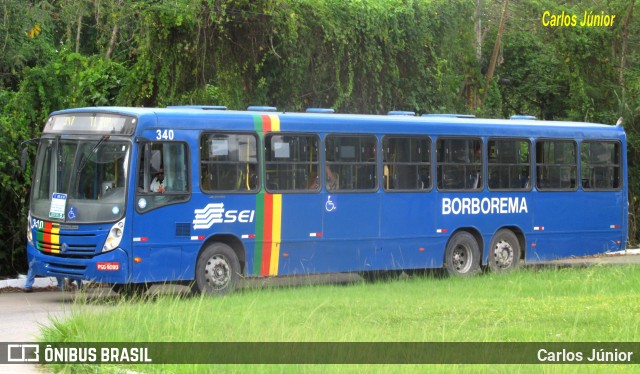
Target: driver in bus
[(157, 184)]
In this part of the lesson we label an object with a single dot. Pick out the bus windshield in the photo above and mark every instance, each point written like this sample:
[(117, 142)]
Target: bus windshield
[(80, 180)]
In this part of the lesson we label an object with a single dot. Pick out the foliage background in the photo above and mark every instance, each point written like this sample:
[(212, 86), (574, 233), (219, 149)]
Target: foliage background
[(357, 56)]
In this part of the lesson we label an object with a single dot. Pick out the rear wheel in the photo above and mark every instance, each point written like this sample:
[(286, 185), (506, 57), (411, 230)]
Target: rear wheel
[(504, 252), (217, 270), (462, 256)]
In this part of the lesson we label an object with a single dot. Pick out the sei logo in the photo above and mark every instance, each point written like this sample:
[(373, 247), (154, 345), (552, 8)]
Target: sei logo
[(215, 213), (108, 266)]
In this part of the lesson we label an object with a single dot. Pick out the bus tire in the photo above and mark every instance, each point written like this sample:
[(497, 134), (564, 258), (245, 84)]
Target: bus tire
[(462, 255), (504, 252), (217, 270)]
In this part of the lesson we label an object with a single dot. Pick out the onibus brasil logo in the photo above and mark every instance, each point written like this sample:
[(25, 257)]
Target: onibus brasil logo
[(215, 213)]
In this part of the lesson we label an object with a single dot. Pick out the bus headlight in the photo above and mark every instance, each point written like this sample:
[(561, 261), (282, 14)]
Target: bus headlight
[(115, 235)]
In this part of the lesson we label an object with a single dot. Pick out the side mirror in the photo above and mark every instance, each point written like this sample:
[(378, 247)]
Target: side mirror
[(25, 151), (23, 158)]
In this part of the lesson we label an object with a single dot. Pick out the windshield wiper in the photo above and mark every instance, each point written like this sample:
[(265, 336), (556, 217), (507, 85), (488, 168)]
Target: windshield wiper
[(83, 161), (58, 163)]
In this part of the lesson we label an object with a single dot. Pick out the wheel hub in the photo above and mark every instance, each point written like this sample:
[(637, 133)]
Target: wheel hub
[(503, 254), (218, 272), (461, 259)]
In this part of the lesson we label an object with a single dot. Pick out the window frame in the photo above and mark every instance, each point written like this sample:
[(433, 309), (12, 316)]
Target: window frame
[(529, 185), (481, 165), (318, 163), (417, 164), (538, 164), (155, 200), (339, 165), (258, 168), (618, 146)]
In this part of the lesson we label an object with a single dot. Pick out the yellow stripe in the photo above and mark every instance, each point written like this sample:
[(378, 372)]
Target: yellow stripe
[(55, 234), (276, 234), (277, 215), (275, 122)]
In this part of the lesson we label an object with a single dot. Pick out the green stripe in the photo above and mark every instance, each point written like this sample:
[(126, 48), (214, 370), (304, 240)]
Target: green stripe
[(259, 223)]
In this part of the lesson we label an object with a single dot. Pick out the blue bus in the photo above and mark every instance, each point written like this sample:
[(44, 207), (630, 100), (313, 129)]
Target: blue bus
[(204, 196)]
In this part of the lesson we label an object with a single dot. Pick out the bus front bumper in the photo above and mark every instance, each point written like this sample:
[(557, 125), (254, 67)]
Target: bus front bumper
[(110, 267)]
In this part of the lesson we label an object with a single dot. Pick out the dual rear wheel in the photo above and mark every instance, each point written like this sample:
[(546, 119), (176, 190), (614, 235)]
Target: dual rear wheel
[(463, 256)]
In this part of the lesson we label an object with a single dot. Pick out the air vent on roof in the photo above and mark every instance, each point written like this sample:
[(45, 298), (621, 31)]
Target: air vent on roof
[(320, 110), (262, 108), (401, 113), (450, 115), (520, 116), (203, 107)]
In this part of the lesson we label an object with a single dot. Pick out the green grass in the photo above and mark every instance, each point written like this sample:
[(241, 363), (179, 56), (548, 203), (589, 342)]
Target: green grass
[(592, 304)]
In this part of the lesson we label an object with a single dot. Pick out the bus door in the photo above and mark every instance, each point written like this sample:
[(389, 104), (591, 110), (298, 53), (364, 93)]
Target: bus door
[(406, 217), (161, 224), (292, 206), (351, 203)]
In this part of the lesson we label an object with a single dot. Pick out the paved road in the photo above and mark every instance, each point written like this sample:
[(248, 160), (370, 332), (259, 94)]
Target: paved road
[(22, 315)]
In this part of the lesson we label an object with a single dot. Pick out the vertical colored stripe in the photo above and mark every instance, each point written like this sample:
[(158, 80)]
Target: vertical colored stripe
[(274, 121), (48, 238), (275, 236), (266, 244), (259, 231), (259, 225), (55, 234), (268, 213)]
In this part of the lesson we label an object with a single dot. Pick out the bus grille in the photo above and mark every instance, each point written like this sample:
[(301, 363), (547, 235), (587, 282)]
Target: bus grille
[(79, 245), (64, 270)]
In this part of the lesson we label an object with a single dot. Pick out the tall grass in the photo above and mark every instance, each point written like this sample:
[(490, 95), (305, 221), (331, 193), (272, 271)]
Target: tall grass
[(554, 305)]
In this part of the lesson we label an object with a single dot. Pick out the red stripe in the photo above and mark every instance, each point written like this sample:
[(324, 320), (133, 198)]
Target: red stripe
[(46, 237), (268, 234), (266, 123)]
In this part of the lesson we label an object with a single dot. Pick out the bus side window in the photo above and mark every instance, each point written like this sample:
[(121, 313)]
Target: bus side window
[(600, 165), (291, 162), (352, 160), (556, 165), (509, 167), (459, 164), (228, 162), (407, 163), (163, 174)]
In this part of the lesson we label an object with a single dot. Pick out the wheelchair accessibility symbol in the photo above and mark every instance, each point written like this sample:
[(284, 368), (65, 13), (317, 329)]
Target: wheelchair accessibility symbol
[(330, 206), (72, 213)]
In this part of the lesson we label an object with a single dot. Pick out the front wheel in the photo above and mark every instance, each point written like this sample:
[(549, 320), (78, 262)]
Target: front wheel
[(504, 252), (462, 256), (217, 270)]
